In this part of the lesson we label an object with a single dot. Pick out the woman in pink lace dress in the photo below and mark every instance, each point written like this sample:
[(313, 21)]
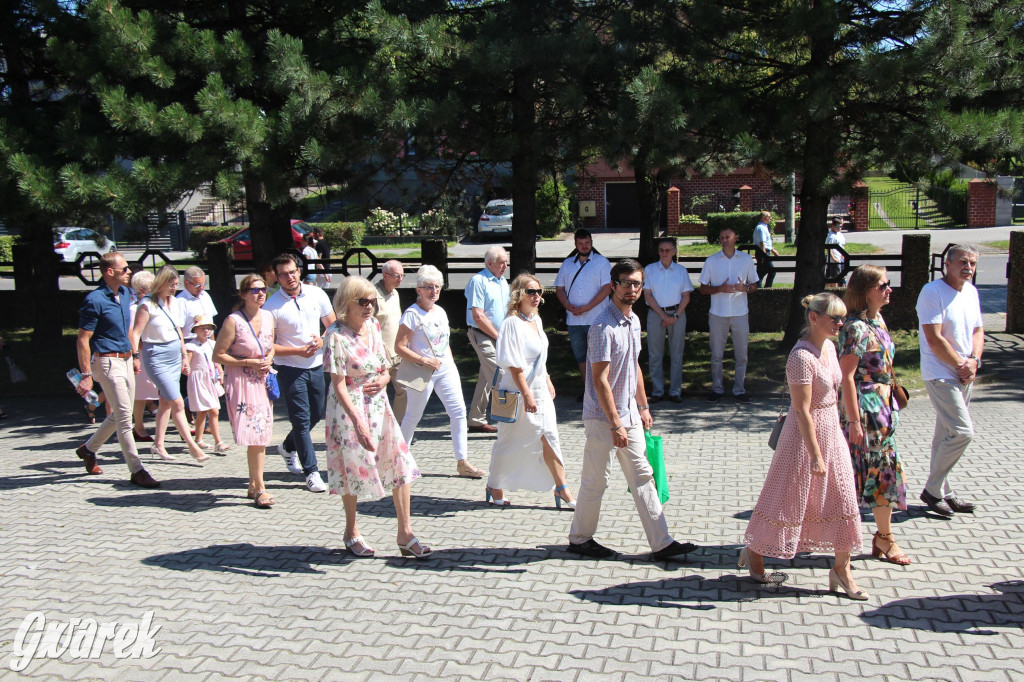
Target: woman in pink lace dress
[(247, 361), (809, 502)]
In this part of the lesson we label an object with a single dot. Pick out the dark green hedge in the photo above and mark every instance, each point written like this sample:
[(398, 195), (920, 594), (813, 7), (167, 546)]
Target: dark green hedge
[(342, 236), (7, 242), (199, 237), (742, 223)]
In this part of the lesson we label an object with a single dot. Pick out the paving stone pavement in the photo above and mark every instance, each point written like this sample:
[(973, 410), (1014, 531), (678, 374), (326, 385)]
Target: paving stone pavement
[(242, 593)]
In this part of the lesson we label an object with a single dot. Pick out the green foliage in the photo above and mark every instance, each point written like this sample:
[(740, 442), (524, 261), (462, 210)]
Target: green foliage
[(553, 208), (691, 219), (199, 237), (342, 236), (7, 243), (743, 223)]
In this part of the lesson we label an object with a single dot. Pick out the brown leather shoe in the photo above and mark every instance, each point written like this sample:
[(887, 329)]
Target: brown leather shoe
[(89, 458), (960, 506), (142, 479), (483, 428)]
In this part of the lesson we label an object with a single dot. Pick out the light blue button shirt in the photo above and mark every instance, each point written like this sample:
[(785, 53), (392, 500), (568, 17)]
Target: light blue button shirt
[(490, 294)]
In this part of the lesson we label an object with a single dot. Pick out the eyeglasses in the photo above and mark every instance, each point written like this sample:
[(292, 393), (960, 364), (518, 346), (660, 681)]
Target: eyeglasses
[(198, 285), (836, 319), (288, 273), (533, 292), (631, 283), (431, 287), (391, 274), (882, 286), (257, 290), (366, 302)]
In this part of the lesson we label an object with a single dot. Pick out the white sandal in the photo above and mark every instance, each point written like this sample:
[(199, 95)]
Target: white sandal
[(365, 552), (408, 551), (222, 448)]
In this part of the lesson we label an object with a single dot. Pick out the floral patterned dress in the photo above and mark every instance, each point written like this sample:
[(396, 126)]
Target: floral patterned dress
[(249, 408), (876, 463), (351, 470)]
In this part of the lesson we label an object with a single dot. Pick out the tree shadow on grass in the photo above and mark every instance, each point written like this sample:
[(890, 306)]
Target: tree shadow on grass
[(964, 613)]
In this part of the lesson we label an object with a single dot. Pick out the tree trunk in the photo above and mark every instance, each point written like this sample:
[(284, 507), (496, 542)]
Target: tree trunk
[(45, 292), (269, 228), (525, 170), (649, 192)]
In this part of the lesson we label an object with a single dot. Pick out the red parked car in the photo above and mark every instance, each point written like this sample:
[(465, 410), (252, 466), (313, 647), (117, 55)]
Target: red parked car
[(241, 241)]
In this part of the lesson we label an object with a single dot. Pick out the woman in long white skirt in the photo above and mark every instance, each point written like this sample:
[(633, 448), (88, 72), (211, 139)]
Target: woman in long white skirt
[(527, 455)]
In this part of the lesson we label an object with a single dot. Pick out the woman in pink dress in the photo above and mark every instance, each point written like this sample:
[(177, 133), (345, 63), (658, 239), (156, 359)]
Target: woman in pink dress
[(809, 501), (245, 347), (367, 457)]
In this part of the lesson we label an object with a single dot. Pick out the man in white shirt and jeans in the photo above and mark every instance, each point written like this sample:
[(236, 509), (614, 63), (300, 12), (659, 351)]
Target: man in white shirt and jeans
[(195, 300), (727, 277), (764, 251), (299, 310), (952, 337), (667, 290)]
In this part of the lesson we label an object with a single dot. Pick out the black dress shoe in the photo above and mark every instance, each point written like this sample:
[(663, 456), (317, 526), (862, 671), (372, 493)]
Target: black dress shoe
[(142, 479), (673, 550), (960, 506), (676, 398), (741, 398), (655, 399), (590, 548), (936, 504), (714, 397)]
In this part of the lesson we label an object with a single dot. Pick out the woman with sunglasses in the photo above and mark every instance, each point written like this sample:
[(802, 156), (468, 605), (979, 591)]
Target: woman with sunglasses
[(526, 455), (245, 347), (808, 502), (156, 335), (422, 339), (367, 457), (869, 412)]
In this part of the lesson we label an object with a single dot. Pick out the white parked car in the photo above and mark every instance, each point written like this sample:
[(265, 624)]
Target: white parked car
[(497, 217), (70, 242)]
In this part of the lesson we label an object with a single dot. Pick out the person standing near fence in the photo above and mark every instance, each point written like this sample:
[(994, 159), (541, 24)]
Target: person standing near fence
[(389, 314), (486, 300), (667, 290), (764, 251)]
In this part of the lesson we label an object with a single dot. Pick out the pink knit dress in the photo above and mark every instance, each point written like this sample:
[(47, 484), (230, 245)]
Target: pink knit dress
[(797, 511), (249, 409)]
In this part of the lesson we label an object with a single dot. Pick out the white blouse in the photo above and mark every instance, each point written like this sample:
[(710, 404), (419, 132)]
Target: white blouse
[(160, 328)]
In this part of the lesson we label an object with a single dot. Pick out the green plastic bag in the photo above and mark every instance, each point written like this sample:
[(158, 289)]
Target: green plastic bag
[(656, 458)]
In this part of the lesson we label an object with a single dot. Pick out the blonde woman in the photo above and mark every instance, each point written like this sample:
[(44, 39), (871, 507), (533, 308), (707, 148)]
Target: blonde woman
[(156, 334), (527, 455), (366, 454), (145, 389), (809, 502)]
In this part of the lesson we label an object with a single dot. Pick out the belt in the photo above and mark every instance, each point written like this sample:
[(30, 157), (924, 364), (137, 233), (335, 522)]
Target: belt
[(669, 308), (478, 329), (123, 356)]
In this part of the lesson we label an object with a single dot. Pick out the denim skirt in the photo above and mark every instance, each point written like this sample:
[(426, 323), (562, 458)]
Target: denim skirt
[(163, 365)]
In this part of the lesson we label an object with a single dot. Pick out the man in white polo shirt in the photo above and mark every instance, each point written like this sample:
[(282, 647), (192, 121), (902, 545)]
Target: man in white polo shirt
[(299, 310), (727, 277), (583, 282), (195, 300), (667, 290)]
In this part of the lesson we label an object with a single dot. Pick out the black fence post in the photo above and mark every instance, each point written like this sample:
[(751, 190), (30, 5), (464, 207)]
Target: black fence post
[(435, 252), (1015, 284), (221, 271)]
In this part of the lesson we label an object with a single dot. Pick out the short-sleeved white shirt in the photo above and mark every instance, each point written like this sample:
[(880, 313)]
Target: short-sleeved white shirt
[(718, 269), (162, 328), (838, 239), (958, 313), (195, 305), (430, 330), (293, 329), (763, 234), (667, 285), (596, 272)]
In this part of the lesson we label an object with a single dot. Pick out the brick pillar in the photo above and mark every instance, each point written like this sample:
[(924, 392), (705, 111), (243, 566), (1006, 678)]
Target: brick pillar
[(981, 203), (860, 199), (746, 198), (672, 213), (1015, 285)]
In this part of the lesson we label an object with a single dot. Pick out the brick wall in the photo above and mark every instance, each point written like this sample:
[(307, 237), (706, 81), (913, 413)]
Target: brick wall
[(981, 203)]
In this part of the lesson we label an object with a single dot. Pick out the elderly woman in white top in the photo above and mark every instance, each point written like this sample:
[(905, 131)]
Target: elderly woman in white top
[(422, 340), (156, 332), (526, 455)]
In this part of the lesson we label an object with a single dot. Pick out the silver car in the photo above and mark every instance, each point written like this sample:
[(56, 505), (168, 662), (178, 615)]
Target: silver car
[(70, 242), (497, 217)]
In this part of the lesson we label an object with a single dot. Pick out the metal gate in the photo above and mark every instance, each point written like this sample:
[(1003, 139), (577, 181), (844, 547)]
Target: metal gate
[(913, 207)]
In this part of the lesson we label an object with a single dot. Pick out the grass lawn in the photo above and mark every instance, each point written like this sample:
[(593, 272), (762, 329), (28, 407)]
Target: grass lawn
[(412, 250), (783, 249), (896, 207), (1003, 245)]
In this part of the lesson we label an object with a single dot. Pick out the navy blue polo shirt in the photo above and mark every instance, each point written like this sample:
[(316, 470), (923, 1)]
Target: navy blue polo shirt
[(107, 319)]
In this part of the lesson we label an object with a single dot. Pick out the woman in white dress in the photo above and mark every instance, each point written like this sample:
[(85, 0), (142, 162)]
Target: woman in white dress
[(526, 455)]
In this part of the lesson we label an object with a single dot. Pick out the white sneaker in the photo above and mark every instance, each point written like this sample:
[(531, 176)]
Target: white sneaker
[(314, 483), (291, 459)]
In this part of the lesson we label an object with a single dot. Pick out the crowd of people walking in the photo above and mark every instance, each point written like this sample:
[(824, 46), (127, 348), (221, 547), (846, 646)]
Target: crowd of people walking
[(333, 360)]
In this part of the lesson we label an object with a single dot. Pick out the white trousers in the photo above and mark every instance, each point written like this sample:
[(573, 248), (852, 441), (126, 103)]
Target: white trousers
[(446, 384)]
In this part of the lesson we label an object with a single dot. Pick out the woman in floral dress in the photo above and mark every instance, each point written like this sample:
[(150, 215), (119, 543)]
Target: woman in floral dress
[(366, 454), (808, 502), (245, 347), (870, 415)]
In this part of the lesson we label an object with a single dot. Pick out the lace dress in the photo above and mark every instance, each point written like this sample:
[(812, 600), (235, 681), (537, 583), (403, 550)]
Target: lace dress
[(249, 408), (352, 470), (797, 511)]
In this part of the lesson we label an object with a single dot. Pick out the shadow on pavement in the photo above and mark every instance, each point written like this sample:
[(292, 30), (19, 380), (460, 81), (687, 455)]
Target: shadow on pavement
[(253, 560), (422, 506), (693, 592), (965, 613)]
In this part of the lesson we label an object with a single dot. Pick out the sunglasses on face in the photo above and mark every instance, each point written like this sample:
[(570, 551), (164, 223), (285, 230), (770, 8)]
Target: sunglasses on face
[(882, 286), (533, 292), (366, 302), (257, 290), (836, 319)]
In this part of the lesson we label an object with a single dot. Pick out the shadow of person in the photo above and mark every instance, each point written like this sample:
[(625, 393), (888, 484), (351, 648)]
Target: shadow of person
[(964, 613), (422, 505), (695, 592), (255, 560), (191, 503)]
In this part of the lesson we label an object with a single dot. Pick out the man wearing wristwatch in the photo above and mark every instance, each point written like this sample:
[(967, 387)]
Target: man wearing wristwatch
[(615, 416), (105, 355), (952, 338), (667, 290)]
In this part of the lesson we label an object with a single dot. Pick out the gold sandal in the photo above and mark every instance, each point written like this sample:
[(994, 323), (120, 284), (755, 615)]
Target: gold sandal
[(893, 555)]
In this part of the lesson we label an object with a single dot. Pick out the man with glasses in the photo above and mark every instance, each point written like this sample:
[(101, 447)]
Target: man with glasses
[(727, 277), (389, 314), (105, 354), (952, 339), (582, 284), (299, 310), (487, 298), (667, 290), (615, 416)]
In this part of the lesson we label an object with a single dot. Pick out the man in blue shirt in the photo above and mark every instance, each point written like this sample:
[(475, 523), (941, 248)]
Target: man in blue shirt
[(105, 354), (764, 251), (486, 304)]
